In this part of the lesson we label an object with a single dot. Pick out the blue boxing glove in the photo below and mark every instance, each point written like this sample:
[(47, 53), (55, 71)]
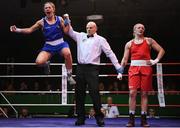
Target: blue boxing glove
[(66, 19), (120, 72), (66, 22)]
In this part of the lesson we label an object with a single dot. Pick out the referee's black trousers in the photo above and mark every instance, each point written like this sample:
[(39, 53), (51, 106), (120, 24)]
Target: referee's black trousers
[(87, 76)]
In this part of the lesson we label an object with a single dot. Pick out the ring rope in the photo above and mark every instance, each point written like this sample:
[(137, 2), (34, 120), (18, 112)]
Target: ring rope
[(38, 76), (57, 64), (119, 105), (72, 92)]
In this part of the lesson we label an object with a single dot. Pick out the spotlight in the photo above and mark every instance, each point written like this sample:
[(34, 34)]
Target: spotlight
[(95, 17)]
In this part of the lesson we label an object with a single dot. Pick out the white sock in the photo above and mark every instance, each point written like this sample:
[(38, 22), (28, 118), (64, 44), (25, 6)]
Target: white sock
[(131, 112), (69, 71), (143, 113)]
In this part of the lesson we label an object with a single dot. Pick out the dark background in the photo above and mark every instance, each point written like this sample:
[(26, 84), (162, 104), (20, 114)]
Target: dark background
[(160, 17)]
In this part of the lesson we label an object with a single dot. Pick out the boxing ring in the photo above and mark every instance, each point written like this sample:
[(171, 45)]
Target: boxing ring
[(63, 121)]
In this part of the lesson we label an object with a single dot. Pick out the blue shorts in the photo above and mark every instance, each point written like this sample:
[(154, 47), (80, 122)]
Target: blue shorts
[(54, 49)]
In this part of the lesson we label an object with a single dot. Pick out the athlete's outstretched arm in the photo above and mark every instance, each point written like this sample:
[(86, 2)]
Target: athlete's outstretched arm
[(29, 30)]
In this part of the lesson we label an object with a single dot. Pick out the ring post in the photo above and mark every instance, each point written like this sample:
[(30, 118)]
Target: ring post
[(64, 85), (161, 98)]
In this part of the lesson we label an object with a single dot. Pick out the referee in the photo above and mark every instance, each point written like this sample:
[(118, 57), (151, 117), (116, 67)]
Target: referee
[(89, 48)]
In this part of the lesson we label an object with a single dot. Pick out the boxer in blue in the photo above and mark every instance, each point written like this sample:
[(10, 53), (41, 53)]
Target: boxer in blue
[(52, 27)]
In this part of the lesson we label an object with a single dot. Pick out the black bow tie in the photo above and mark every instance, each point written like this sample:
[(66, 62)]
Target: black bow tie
[(90, 36)]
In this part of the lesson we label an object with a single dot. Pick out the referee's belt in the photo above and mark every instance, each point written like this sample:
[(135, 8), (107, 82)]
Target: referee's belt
[(87, 64)]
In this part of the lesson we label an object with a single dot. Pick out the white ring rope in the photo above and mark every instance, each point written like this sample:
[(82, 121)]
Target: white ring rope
[(57, 64), (54, 92), (57, 105), (29, 76), (72, 92), (42, 76), (60, 64), (57, 76), (53, 64), (44, 105)]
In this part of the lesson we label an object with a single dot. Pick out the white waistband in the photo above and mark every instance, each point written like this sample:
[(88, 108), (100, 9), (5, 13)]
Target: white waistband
[(139, 63), (55, 42)]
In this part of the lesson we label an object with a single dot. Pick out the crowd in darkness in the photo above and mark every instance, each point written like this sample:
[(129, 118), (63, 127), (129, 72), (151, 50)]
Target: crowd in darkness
[(54, 84)]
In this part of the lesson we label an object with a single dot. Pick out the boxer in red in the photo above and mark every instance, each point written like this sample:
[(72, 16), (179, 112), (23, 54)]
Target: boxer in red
[(140, 71)]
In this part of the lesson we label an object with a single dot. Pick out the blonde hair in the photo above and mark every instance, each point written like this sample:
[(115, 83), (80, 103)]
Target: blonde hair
[(52, 4), (136, 26)]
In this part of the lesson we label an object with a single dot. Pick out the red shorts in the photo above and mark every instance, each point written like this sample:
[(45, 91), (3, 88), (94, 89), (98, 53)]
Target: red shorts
[(140, 77)]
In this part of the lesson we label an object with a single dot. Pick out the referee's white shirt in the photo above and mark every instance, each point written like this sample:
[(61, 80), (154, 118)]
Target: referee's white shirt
[(90, 49)]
